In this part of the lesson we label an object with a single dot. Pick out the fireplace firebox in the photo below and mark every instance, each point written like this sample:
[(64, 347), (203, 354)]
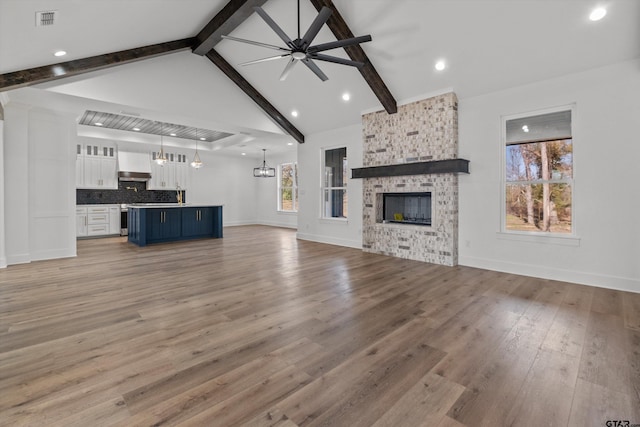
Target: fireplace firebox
[(407, 208)]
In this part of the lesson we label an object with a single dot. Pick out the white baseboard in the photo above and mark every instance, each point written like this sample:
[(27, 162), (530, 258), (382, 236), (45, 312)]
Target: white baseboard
[(18, 259), (542, 272), (54, 254), (238, 223), (278, 224), (330, 240), (3, 262)]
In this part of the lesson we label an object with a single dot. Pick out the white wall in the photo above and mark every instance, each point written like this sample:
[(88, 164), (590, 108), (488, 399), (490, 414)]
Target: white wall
[(39, 196), (310, 225), (3, 254), (227, 180), (16, 169), (606, 193), (267, 193)]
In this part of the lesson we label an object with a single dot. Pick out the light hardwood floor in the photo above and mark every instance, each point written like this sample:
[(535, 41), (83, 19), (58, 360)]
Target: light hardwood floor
[(288, 333)]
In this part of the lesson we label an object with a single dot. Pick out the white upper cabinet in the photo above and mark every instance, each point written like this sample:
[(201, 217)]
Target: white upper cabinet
[(174, 173), (98, 165)]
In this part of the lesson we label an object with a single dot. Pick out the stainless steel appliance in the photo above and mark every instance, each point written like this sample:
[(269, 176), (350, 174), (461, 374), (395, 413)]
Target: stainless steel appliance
[(124, 211)]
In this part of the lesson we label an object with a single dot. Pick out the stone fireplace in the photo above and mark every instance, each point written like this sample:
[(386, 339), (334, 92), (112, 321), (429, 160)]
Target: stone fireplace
[(412, 152)]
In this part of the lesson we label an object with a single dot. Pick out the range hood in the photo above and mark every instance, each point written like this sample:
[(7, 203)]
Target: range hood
[(133, 166)]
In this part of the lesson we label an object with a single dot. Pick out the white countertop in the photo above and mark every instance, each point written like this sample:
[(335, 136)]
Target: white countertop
[(170, 205)]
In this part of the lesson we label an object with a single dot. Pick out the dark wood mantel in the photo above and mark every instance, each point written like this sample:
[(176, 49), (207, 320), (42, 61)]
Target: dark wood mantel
[(417, 168)]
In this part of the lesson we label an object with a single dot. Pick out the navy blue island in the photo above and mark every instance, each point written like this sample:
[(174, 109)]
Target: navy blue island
[(168, 222)]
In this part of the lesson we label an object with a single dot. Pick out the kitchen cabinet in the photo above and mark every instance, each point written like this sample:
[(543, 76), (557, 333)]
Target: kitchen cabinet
[(157, 223), (81, 222), (79, 166), (197, 221), (97, 220), (174, 173), (99, 167), (114, 219), (163, 224), (182, 171)]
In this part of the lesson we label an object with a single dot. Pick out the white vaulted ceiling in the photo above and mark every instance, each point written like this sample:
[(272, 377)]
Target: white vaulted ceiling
[(487, 46)]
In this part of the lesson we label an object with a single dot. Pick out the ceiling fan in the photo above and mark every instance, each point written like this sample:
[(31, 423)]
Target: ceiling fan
[(300, 49)]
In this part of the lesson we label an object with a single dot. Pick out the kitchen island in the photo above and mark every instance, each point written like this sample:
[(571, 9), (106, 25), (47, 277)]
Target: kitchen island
[(168, 222)]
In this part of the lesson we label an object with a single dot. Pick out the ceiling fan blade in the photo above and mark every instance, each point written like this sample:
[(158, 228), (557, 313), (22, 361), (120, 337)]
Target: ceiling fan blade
[(313, 67), (336, 60), (288, 69), (270, 46), (340, 43), (275, 27), (315, 27), (271, 58)]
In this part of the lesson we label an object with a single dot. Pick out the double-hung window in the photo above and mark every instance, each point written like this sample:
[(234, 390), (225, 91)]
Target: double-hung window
[(334, 183), (539, 173), (288, 187)]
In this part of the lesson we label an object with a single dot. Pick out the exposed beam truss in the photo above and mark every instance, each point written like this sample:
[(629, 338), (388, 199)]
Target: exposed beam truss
[(61, 70), (341, 31), (230, 17), (262, 102)]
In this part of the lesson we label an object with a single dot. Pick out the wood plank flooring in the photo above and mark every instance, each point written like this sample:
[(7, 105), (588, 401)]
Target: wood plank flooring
[(292, 333)]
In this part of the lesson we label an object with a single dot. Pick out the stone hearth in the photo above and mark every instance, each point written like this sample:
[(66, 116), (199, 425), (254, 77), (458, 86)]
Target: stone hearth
[(421, 131)]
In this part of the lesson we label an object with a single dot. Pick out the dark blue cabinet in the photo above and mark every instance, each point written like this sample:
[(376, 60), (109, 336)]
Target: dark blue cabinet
[(197, 222), (158, 224), (163, 224)]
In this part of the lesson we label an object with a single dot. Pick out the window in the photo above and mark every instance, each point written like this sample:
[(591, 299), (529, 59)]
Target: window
[(288, 187), (539, 173), (334, 183)]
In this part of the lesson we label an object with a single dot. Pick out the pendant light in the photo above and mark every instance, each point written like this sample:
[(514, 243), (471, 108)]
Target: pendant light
[(264, 171), (197, 163), (161, 159)]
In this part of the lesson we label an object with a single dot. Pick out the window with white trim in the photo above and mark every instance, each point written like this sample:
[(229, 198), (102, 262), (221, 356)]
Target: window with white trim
[(538, 173), (288, 187), (334, 183)]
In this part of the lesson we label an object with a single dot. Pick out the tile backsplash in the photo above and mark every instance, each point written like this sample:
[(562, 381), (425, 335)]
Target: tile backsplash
[(126, 193)]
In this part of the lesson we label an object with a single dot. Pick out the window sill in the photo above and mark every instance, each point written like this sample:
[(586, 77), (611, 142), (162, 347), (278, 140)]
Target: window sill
[(334, 220), (547, 239), (287, 212)]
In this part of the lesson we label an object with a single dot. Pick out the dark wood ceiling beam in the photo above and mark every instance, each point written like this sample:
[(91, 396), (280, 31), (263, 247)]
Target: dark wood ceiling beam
[(230, 17), (262, 102), (341, 30), (47, 73)]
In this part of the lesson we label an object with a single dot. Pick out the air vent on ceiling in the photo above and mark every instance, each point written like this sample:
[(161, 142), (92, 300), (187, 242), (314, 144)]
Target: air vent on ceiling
[(46, 18)]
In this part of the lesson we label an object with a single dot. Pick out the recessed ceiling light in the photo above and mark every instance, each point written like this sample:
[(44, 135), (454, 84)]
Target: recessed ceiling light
[(244, 154), (136, 129), (203, 139), (172, 134), (440, 65), (294, 113), (98, 124), (60, 53), (289, 143), (525, 128), (598, 13), (346, 96)]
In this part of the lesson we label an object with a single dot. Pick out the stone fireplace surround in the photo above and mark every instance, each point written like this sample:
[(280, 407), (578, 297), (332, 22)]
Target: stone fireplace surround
[(425, 130)]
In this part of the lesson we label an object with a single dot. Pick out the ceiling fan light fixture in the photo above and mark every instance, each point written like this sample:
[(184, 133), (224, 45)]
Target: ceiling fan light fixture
[(301, 49), (264, 171)]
